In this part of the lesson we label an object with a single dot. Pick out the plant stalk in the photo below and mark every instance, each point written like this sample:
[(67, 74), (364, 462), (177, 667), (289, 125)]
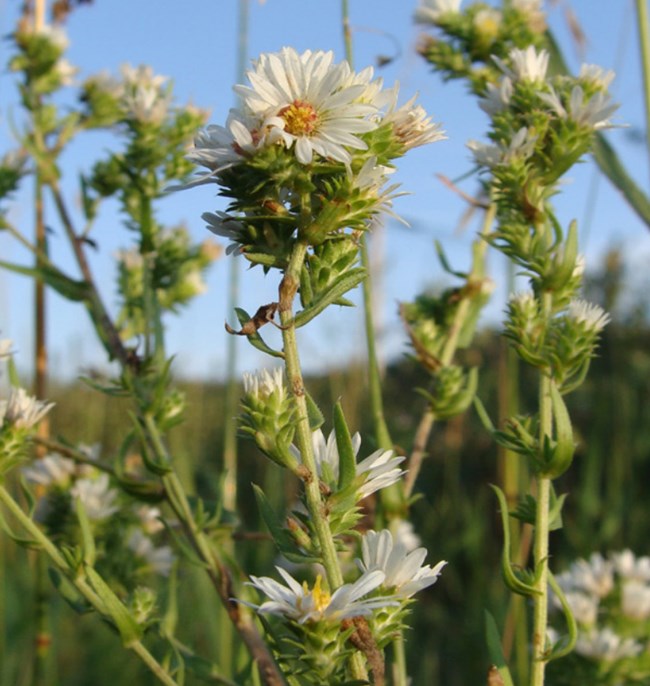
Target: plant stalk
[(644, 42)]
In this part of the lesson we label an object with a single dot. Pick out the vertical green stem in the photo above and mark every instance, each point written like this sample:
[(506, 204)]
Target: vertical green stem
[(644, 42), (541, 539)]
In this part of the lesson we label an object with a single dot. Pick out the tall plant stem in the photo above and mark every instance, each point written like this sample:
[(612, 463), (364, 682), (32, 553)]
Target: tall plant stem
[(78, 581), (644, 42), (288, 289), (541, 544), (218, 573), (476, 275)]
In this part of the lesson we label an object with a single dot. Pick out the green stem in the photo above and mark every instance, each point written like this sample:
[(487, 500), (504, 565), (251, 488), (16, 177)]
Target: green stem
[(541, 536), (644, 41), (218, 573), (79, 583), (288, 290)]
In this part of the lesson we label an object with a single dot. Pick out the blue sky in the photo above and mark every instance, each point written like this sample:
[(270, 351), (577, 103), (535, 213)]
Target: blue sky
[(195, 43)]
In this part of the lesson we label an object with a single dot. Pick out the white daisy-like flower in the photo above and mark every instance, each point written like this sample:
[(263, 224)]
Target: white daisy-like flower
[(222, 224), (265, 383), (605, 644), (630, 567), (53, 469), (371, 179), (534, 13), (635, 599), (22, 411), (97, 496), (496, 98), (489, 155), (412, 126), (593, 317), (159, 558), (377, 471), (150, 519), (305, 103), (431, 10), (584, 607), (146, 96), (404, 572), (593, 113), (594, 576), (487, 22), (596, 75), (303, 604), (525, 65)]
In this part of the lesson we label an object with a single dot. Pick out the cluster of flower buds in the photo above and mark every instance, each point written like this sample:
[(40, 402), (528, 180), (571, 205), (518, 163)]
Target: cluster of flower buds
[(609, 598), (176, 269), (307, 155)]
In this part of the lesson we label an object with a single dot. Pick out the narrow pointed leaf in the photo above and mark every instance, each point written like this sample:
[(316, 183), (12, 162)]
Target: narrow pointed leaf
[(495, 651), (347, 458), (565, 645), (77, 291), (255, 339)]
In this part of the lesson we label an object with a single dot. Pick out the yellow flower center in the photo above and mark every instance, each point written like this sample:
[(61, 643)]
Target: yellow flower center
[(321, 597), (300, 118)]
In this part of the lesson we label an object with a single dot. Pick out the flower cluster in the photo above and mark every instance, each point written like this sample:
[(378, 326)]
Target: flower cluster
[(124, 534), (308, 150), (610, 601)]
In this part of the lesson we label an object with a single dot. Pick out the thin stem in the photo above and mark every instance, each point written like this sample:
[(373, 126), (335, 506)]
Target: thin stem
[(541, 540), (217, 572), (644, 41), (79, 582)]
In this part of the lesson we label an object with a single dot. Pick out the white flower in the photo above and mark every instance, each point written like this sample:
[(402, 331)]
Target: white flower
[(97, 496), (404, 572), (526, 65), (431, 10), (593, 113), (590, 315), (533, 11), (521, 146), (378, 470), (146, 96), (265, 383), (411, 125), (303, 604), (150, 519), (596, 75), (160, 559), (583, 607), (487, 22), (53, 469), (496, 98), (21, 410), (604, 644), (370, 179), (635, 599), (629, 567), (304, 103)]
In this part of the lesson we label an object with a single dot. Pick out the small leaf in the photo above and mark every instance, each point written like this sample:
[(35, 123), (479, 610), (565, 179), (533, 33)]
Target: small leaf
[(77, 291), (347, 457), (561, 455), (444, 262), (255, 339), (339, 287), (495, 651), (565, 645), (316, 418), (68, 592), (87, 538)]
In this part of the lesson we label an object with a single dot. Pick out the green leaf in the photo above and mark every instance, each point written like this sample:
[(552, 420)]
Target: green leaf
[(347, 457), (68, 592), (87, 538), (339, 287), (77, 291), (562, 454), (565, 645), (316, 418), (255, 339), (495, 651), (130, 631), (444, 262), (512, 581)]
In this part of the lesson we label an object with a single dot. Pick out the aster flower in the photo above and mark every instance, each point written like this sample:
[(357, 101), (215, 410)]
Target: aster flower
[(525, 65), (635, 599), (496, 98), (404, 572), (376, 471), (412, 126), (431, 10), (592, 317), (265, 383), (489, 155), (596, 75), (21, 410), (304, 103), (97, 496), (159, 559), (303, 604), (593, 113), (145, 96), (629, 567), (605, 644), (53, 469)]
